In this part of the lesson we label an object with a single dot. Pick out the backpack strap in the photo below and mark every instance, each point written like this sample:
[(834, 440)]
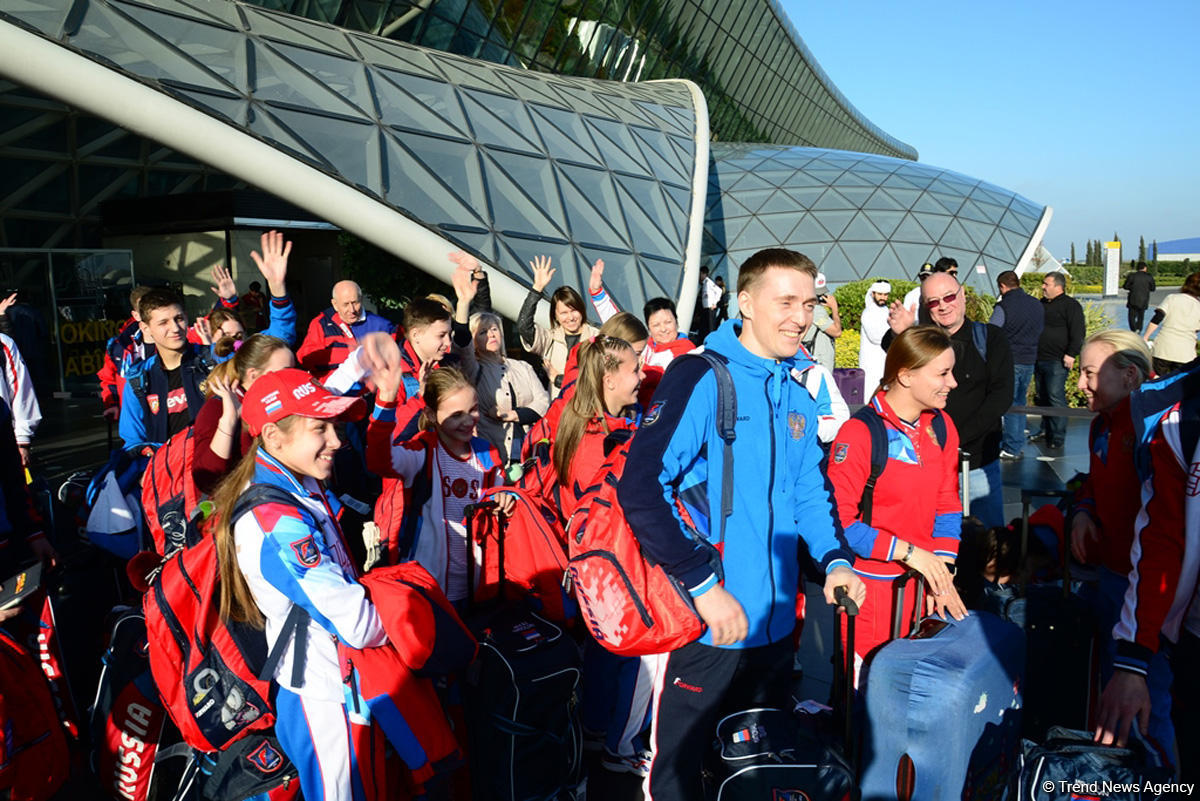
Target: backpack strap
[(296, 624), (939, 427), (726, 422), (979, 335), (879, 455)]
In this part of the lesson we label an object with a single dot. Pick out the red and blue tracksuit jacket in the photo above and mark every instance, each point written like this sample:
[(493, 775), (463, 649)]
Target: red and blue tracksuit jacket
[(779, 491), (329, 340), (1106, 494), (123, 352)]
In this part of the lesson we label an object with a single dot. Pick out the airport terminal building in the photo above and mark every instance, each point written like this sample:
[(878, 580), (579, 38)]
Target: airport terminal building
[(158, 137)]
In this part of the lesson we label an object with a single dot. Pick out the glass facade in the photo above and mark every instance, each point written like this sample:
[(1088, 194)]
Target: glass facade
[(857, 215), (761, 82)]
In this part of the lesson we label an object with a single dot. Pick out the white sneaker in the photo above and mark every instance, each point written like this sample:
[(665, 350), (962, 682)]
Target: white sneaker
[(638, 764)]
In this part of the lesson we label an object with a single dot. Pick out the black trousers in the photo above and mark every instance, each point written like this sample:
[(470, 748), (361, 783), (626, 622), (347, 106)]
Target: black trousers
[(1137, 318), (700, 684), (1185, 705)]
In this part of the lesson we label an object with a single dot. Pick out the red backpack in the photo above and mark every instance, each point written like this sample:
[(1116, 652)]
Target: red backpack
[(632, 606), (214, 675), (34, 761), (169, 493), (531, 544)]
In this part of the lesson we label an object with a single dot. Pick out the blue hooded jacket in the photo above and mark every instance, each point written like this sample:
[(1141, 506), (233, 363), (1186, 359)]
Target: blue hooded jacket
[(779, 491)]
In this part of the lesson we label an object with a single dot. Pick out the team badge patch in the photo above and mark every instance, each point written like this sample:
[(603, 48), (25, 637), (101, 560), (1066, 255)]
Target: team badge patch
[(1193, 481), (266, 758), (839, 453), (651, 416), (796, 424), (152, 401), (306, 551)]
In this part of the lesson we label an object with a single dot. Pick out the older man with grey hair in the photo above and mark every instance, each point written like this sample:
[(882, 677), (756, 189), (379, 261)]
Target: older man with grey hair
[(335, 333)]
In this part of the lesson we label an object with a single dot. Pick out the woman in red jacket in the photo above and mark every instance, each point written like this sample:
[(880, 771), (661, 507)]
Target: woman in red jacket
[(916, 513)]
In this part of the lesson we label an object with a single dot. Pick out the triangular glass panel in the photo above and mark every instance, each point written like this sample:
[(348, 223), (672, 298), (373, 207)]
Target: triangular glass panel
[(755, 236), (647, 217), (752, 199), (398, 57), (1015, 222), (216, 47), (530, 203), (352, 147), (583, 100), (481, 243), (912, 256), (106, 33), (801, 179), (805, 196), (233, 108), (950, 203), (264, 123), (872, 177), (955, 237), (860, 229), (979, 232), (500, 121), (413, 187), (907, 198), (857, 195), (992, 194), (885, 221), (750, 182), (278, 80), (921, 177), (851, 179), (926, 202), (956, 181), (400, 111), (777, 177), (780, 225), (990, 211), (1026, 209), (836, 266), (780, 202), (808, 231), (1016, 242), (657, 151), (948, 187), (565, 135), (467, 74), (832, 200), (888, 263), (997, 248), (882, 200), (825, 176), (934, 224), (45, 19), (909, 230), (663, 120), (679, 201), (296, 30), (592, 206), (899, 182), (834, 221), (862, 255), (745, 162), (530, 87), (455, 164), (971, 211), (616, 146)]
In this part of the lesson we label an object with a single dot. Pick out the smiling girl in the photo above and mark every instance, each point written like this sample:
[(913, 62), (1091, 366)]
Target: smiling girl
[(916, 516), (284, 555), (444, 469)]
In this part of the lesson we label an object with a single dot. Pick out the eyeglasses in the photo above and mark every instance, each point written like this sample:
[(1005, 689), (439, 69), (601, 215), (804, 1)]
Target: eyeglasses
[(933, 303)]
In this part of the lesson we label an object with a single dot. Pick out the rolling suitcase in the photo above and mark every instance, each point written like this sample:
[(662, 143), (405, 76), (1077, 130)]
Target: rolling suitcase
[(775, 755), (850, 382), (520, 695), (943, 709), (1070, 766)]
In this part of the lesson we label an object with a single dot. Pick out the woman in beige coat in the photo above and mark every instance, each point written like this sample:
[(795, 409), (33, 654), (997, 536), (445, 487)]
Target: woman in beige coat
[(511, 397), (569, 323)]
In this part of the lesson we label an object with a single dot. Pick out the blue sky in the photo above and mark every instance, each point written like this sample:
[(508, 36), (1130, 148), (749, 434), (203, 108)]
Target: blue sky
[(1092, 108)]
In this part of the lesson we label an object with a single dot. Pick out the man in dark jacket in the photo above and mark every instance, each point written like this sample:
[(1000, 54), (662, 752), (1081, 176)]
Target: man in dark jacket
[(1059, 346), (1019, 315), (1140, 284)]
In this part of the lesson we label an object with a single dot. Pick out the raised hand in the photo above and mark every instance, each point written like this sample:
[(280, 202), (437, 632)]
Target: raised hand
[(900, 319), (464, 282), (596, 281), (542, 272), (203, 329), (387, 382), (380, 352), (227, 391), (7, 303), (225, 288), (273, 262)]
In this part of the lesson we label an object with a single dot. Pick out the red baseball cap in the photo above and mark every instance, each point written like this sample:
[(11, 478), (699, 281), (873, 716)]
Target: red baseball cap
[(283, 393)]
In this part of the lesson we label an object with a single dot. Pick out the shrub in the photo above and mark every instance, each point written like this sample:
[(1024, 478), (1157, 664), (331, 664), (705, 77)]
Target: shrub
[(846, 348), (851, 296)]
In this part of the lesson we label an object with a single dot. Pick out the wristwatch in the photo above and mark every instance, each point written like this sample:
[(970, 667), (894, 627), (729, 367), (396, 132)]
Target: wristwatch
[(907, 554)]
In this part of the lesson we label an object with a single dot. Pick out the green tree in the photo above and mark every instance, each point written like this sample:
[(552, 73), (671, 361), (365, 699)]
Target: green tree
[(1141, 248), (1072, 253), (1120, 250), (1154, 253)]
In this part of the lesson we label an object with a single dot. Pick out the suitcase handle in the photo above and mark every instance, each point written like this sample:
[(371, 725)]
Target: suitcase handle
[(843, 674), (900, 586), (470, 512)]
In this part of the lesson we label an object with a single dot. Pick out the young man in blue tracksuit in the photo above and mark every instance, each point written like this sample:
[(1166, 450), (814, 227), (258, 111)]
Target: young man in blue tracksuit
[(779, 496)]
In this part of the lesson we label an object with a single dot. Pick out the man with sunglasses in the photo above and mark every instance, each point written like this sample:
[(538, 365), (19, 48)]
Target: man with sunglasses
[(983, 368)]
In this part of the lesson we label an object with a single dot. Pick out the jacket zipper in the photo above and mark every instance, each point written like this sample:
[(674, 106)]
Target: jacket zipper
[(771, 510)]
